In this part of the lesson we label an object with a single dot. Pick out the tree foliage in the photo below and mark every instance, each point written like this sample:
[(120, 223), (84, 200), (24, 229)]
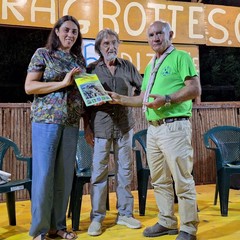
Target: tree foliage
[(17, 45), (220, 66)]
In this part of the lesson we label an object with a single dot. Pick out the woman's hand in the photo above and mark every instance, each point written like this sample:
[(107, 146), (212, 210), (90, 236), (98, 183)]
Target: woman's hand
[(69, 78), (34, 85), (89, 136)]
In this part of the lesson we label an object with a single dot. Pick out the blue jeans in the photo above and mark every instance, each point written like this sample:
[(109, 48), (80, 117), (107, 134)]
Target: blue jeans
[(122, 148), (54, 155)]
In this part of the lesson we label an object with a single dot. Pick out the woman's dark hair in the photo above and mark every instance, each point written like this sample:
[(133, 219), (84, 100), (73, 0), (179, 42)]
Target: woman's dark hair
[(53, 42)]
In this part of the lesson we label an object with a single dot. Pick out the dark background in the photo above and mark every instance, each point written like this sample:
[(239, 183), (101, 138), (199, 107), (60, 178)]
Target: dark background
[(17, 46), (219, 66)]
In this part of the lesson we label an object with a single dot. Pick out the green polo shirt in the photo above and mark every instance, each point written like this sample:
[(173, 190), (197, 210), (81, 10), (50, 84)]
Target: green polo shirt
[(170, 78)]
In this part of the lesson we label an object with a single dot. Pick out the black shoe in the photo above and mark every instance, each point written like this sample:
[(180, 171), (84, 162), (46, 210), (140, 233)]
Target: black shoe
[(158, 230), (185, 236)]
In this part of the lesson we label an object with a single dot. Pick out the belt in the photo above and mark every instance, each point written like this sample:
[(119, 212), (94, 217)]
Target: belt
[(167, 120)]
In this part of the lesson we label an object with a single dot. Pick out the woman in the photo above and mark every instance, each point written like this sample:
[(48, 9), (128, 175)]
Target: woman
[(56, 111)]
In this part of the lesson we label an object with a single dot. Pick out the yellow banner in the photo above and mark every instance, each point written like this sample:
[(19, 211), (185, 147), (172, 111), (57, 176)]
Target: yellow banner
[(138, 53), (29, 13), (192, 23), (223, 26)]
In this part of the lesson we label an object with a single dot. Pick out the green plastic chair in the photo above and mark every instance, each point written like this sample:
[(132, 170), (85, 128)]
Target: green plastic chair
[(143, 171), (225, 142), (14, 185), (83, 175)]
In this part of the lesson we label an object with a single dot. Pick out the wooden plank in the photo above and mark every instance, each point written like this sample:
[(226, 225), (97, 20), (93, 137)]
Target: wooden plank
[(16, 125)]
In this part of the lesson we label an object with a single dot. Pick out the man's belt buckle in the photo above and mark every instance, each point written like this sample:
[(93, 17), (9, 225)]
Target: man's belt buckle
[(167, 120), (157, 122)]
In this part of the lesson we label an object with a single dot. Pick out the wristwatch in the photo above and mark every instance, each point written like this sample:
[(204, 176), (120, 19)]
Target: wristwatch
[(167, 101)]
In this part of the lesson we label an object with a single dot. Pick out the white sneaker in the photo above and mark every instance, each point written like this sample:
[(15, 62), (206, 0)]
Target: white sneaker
[(95, 228), (128, 221)]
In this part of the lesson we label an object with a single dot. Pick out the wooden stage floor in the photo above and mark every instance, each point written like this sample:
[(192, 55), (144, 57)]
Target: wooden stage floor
[(212, 226)]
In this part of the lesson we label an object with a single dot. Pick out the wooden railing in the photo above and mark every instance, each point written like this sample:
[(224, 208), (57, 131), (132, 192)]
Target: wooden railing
[(15, 124)]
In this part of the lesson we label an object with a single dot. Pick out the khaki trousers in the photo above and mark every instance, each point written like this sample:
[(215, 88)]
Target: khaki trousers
[(170, 157)]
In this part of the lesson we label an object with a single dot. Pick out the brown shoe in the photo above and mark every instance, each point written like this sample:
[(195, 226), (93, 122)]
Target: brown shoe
[(185, 236), (158, 230)]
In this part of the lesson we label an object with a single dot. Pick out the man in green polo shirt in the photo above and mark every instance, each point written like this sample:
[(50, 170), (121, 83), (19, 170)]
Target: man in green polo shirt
[(170, 84)]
